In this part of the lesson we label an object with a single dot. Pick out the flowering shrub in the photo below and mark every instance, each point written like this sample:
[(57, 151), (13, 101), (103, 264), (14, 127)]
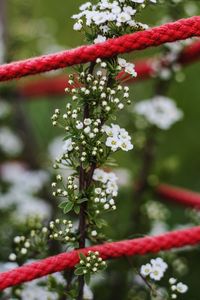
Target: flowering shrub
[(85, 186)]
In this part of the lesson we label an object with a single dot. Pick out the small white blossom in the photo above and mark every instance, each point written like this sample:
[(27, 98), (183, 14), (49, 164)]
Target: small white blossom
[(145, 270), (67, 145), (118, 138), (100, 39), (181, 288)]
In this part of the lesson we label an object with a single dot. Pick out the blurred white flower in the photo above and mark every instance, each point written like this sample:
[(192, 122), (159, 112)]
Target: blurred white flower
[(10, 144), (159, 111), (22, 179), (124, 176)]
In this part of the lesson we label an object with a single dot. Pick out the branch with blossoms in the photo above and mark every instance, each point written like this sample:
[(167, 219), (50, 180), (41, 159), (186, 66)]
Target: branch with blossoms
[(90, 135)]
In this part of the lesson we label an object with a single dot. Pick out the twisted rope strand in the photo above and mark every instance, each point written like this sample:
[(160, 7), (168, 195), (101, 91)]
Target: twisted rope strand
[(179, 195), (179, 30), (154, 244), (144, 68)]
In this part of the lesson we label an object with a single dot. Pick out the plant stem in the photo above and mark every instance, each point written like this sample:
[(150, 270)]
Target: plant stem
[(85, 179), (148, 158)]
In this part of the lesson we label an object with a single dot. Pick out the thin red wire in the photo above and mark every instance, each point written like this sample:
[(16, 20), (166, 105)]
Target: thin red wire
[(153, 244), (179, 30)]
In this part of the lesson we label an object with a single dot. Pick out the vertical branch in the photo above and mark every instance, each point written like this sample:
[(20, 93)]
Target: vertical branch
[(84, 183), (148, 158)]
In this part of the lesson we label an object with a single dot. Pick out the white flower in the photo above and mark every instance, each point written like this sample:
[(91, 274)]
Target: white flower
[(113, 143), (126, 145), (79, 125), (100, 39), (159, 262), (77, 26), (128, 67), (172, 280), (100, 175), (155, 269), (156, 273), (12, 257), (181, 288), (87, 293), (67, 145), (118, 138), (123, 17), (145, 270), (10, 144), (87, 129), (93, 233), (87, 122), (122, 62), (85, 6), (160, 111)]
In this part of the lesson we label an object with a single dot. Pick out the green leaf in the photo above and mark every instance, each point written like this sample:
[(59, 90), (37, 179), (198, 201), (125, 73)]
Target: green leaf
[(67, 136), (82, 200), (100, 223), (82, 256), (62, 204), (77, 209), (113, 117), (68, 207), (79, 271)]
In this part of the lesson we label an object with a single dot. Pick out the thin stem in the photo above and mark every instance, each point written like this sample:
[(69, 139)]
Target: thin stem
[(148, 158), (85, 179)]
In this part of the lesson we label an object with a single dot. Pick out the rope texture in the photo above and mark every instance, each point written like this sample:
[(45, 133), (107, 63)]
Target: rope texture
[(63, 261), (156, 36), (179, 195), (144, 68)]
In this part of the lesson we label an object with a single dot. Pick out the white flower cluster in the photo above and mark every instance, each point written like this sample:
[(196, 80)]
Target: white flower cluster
[(159, 111), (128, 67), (156, 211), (155, 269), (108, 189), (179, 287), (168, 65), (118, 138), (10, 144), (106, 14), (23, 186)]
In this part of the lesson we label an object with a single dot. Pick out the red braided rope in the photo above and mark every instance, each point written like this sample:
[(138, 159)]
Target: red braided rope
[(179, 195), (144, 68), (175, 239), (181, 29)]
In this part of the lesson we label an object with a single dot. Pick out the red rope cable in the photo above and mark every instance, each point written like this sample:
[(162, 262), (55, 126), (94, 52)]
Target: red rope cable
[(154, 244), (179, 195), (55, 86), (181, 29)]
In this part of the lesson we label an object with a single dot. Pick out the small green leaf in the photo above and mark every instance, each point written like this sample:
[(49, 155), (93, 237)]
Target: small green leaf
[(113, 117), (82, 200), (82, 256), (68, 207), (77, 209), (79, 271), (100, 223), (62, 204)]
